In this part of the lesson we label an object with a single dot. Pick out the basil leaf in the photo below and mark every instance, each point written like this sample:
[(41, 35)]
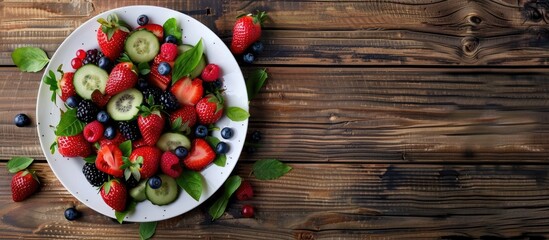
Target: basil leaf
[(237, 114), (220, 160), (121, 215), (29, 59), (187, 62), (144, 68), (269, 169), (219, 206), (147, 229), (126, 148), (90, 159), (171, 28), (16, 164), (69, 125), (191, 181), (255, 82), (213, 141)]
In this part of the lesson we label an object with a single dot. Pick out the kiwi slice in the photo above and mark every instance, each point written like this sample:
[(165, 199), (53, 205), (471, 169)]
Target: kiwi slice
[(123, 106), (170, 141), (142, 46), (88, 78), (201, 65)]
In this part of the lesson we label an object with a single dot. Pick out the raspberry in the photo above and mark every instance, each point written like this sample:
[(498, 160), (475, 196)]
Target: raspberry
[(168, 51), (245, 191), (93, 131), (210, 73), (169, 164)]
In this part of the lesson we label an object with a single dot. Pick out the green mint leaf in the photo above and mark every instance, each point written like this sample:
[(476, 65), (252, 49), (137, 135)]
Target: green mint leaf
[(144, 68), (126, 148), (69, 125), (29, 59), (220, 160), (90, 159), (121, 215), (269, 169), (187, 62), (191, 181), (147, 230), (219, 206), (51, 81), (255, 82), (213, 141), (172, 28), (16, 164), (237, 114)]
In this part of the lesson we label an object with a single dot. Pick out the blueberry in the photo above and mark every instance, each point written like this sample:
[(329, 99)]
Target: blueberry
[(72, 214), (170, 39), (181, 152), (257, 47), (227, 132), (201, 131), (109, 133), (256, 136), (142, 84), (22, 120), (218, 84), (105, 63), (155, 182), (222, 148), (73, 101), (103, 116), (248, 58), (164, 68), (142, 20)]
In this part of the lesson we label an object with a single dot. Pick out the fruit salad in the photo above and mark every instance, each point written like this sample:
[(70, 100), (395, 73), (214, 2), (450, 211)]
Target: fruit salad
[(140, 109)]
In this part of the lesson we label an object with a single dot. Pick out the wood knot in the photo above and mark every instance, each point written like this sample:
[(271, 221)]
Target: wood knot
[(469, 45), (475, 20)]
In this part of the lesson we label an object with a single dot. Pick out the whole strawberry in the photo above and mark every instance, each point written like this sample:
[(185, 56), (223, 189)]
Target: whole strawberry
[(23, 184), (246, 31), (209, 109), (122, 77), (150, 123), (114, 194), (66, 85), (111, 36), (73, 146), (143, 162), (187, 114)]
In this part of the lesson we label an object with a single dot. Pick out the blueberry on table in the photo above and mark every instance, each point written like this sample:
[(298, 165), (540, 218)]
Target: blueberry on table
[(170, 39), (222, 148), (227, 132), (22, 120), (73, 101), (201, 131), (257, 47), (248, 58), (181, 152), (256, 136), (164, 68), (72, 214), (142, 20), (155, 182)]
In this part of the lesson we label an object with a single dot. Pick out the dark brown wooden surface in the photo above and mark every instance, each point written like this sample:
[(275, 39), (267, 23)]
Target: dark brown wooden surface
[(413, 119)]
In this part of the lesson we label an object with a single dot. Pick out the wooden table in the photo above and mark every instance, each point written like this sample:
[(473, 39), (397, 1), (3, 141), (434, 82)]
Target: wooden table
[(411, 119)]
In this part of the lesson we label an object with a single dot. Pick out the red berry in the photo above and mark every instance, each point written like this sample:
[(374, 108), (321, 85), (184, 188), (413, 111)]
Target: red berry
[(76, 63), (210, 73), (247, 211), (93, 131), (81, 54), (169, 51), (245, 191), (23, 184)]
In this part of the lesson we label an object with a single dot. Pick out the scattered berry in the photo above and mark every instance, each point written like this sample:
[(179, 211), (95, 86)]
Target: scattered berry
[(103, 116), (95, 177), (247, 211), (246, 31), (227, 132), (129, 130), (73, 101), (221, 148), (201, 131), (81, 54), (86, 111), (142, 20), (93, 131), (169, 51), (164, 68), (170, 39), (181, 152), (23, 185), (244, 191), (257, 47), (21, 120), (256, 136), (169, 164), (72, 214), (210, 73), (248, 58), (76, 63), (105, 63), (155, 182), (168, 101), (110, 132)]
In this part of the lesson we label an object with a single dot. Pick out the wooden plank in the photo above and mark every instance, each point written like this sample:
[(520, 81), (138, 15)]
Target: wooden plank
[(365, 115), (317, 201), (420, 32)]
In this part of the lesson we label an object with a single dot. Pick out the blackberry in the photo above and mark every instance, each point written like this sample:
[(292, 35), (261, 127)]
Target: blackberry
[(92, 56), (131, 183), (129, 130), (152, 91), (168, 101), (86, 111), (95, 177)]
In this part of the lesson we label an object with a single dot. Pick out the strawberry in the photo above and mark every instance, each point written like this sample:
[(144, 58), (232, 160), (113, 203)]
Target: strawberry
[(210, 73), (114, 194), (187, 115), (111, 36), (244, 191), (246, 31), (139, 143), (156, 29), (109, 160), (99, 98), (188, 91), (143, 162), (155, 78), (209, 109), (93, 131), (169, 164), (122, 77), (66, 85), (73, 146), (23, 184), (116, 141), (150, 123), (169, 51), (200, 156)]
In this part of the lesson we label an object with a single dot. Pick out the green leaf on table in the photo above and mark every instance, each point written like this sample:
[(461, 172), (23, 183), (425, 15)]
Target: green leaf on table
[(147, 230), (121, 215), (172, 28), (51, 80), (187, 62), (144, 68), (269, 169), (16, 164), (229, 187), (29, 59), (255, 82), (69, 125), (237, 114), (191, 181), (126, 148), (220, 160)]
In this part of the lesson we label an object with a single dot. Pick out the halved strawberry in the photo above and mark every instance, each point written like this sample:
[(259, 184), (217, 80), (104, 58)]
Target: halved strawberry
[(109, 160), (99, 98), (187, 91), (201, 155), (156, 29), (122, 77), (155, 78)]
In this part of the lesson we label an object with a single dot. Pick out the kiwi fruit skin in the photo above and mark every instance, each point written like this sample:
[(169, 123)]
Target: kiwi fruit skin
[(123, 106)]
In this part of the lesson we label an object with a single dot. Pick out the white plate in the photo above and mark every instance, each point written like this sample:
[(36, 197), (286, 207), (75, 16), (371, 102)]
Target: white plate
[(69, 170)]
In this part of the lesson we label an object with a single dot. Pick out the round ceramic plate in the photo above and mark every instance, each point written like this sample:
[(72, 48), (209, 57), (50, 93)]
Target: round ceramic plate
[(69, 170)]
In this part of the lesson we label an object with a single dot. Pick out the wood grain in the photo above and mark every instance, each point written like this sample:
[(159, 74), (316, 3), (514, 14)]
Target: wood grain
[(311, 202)]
